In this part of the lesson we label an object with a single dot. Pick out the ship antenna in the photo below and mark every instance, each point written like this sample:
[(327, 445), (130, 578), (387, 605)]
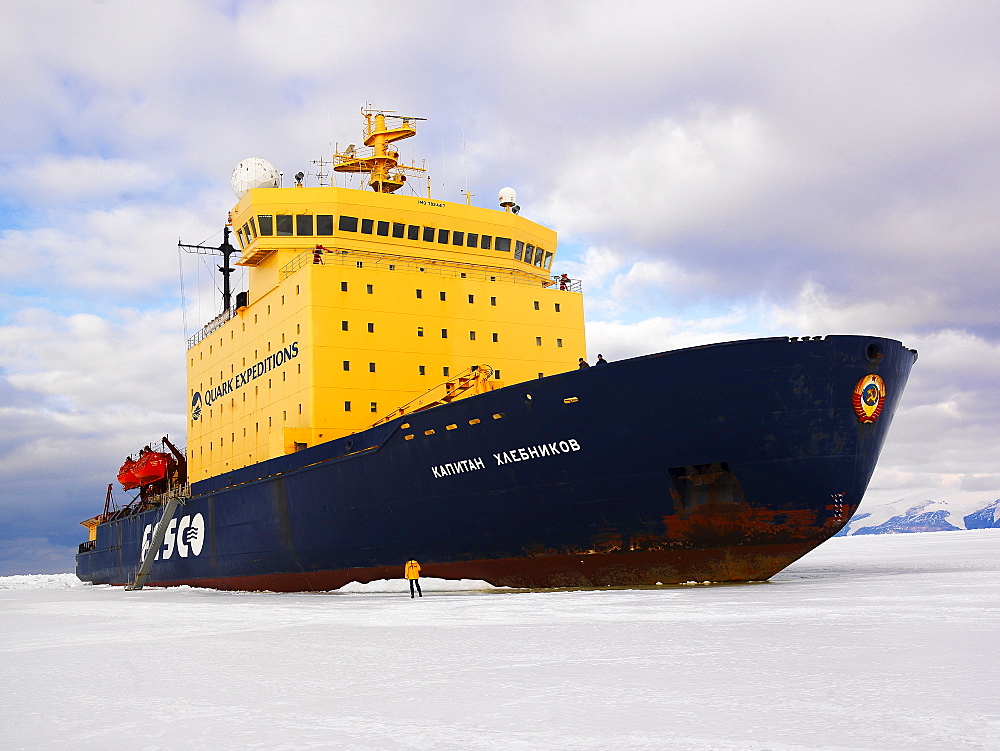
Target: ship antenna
[(225, 250), (180, 271)]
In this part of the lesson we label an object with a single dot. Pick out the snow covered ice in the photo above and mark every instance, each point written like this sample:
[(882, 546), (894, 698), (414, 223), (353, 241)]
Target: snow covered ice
[(884, 642)]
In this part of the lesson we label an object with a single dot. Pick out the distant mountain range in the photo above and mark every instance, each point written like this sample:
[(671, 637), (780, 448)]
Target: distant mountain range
[(903, 517)]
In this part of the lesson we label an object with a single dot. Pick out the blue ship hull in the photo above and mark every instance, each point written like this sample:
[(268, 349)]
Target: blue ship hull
[(717, 463)]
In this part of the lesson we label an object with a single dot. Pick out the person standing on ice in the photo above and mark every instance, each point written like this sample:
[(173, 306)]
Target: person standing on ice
[(412, 572)]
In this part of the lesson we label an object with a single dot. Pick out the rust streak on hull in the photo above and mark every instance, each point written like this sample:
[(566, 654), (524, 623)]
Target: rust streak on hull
[(636, 568)]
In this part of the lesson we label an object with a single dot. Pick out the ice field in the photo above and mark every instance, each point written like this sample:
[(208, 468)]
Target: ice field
[(876, 642)]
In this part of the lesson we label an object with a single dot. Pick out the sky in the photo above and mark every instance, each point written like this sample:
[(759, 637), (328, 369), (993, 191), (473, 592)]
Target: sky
[(715, 170)]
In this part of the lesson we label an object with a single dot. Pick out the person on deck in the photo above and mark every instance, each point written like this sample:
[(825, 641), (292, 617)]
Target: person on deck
[(584, 364), (564, 282), (412, 572), (601, 360)]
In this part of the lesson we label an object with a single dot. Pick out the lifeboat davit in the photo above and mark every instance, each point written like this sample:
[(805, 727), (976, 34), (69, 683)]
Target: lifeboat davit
[(151, 467), (126, 475)]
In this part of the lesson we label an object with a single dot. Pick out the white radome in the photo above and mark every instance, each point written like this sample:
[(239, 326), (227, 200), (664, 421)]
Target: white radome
[(507, 197), (254, 172)]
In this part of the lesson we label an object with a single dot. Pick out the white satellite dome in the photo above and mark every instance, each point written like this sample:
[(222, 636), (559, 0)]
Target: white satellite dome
[(254, 173), (507, 197)]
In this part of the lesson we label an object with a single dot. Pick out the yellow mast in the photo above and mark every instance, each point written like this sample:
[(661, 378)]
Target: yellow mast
[(377, 159)]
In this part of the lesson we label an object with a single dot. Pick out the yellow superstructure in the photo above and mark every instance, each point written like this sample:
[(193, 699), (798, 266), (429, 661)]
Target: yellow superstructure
[(360, 301)]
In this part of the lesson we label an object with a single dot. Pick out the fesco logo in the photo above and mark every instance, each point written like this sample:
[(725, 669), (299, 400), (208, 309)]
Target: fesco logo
[(186, 536)]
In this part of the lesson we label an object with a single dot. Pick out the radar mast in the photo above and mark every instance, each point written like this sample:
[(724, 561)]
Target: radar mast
[(377, 158)]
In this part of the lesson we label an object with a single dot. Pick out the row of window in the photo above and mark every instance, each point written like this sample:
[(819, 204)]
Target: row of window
[(321, 225), (346, 364), (370, 289), (372, 368), (344, 325)]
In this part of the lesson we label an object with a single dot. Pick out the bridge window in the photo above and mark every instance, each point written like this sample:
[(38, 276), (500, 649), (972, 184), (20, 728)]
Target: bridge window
[(518, 250), (367, 225), (303, 224), (429, 233), (324, 224), (457, 238), (472, 239), (347, 223), (529, 254), (266, 224), (284, 225), (443, 236), (398, 229), (382, 228), (486, 240), (412, 232)]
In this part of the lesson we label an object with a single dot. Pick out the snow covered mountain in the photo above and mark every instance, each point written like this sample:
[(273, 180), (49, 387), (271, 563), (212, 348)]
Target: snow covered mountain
[(902, 517)]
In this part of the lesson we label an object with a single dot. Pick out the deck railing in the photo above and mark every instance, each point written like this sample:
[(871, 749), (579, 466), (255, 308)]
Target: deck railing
[(334, 256)]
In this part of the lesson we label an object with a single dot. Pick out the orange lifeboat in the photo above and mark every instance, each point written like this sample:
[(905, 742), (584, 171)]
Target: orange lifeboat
[(152, 467), (126, 475)]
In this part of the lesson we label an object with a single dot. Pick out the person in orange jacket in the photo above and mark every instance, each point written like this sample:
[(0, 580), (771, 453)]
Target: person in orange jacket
[(412, 572)]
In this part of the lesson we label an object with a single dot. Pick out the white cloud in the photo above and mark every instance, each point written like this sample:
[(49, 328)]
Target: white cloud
[(728, 170), (666, 180), (52, 179)]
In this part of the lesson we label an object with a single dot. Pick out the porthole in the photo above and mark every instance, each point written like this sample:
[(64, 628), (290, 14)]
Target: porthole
[(873, 352)]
